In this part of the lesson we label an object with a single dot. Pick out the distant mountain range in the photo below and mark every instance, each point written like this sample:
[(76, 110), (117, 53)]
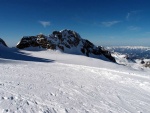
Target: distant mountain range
[(128, 54), (133, 52)]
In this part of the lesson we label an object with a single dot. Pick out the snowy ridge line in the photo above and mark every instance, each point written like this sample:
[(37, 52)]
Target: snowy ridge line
[(103, 69)]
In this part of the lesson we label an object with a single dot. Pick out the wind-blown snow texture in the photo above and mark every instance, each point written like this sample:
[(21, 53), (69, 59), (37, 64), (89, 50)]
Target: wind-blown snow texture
[(63, 83)]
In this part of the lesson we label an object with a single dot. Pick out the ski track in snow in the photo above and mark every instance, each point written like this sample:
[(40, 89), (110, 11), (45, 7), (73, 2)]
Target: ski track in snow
[(34, 87)]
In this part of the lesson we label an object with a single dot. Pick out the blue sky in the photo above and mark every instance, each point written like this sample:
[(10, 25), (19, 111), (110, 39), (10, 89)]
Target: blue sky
[(103, 22)]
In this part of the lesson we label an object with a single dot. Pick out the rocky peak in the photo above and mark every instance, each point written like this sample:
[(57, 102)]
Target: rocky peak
[(66, 37), (67, 41), (147, 64), (2, 42)]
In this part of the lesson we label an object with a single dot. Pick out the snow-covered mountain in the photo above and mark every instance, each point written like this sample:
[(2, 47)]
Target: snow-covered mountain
[(2, 43), (67, 41)]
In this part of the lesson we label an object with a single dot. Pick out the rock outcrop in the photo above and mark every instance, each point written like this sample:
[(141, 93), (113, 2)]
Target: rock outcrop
[(2, 42), (27, 41), (147, 64), (67, 41)]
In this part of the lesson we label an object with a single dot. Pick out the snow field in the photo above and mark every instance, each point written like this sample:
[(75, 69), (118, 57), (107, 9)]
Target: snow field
[(72, 84)]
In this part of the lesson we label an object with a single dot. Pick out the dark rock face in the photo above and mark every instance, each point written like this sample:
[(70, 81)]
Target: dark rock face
[(27, 42), (142, 62), (3, 42), (64, 40), (147, 64)]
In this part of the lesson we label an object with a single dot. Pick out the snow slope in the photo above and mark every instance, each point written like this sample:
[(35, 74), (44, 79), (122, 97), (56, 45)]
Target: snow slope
[(55, 82)]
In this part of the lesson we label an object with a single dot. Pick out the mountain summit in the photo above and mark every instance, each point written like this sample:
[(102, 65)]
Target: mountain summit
[(67, 41)]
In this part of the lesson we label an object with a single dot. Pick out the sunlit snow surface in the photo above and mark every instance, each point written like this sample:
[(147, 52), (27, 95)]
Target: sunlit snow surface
[(54, 82)]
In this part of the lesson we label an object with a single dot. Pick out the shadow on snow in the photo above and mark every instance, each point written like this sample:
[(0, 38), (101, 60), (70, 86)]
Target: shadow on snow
[(15, 54)]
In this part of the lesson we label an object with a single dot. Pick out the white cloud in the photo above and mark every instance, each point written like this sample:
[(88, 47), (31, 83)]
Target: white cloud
[(128, 16), (134, 28), (45, 23), (132, 14), (109, 24)]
